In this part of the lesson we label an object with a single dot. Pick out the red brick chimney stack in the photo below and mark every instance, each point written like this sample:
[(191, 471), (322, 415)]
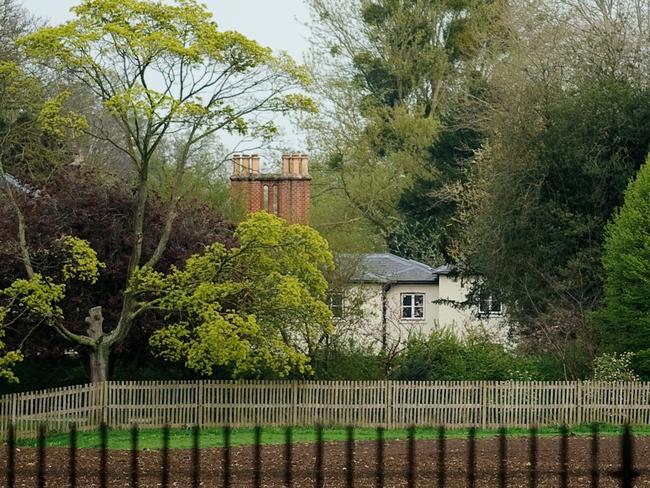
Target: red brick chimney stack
[(286, 194)]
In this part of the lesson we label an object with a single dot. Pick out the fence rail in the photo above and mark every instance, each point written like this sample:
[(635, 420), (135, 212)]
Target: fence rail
[(388, 404)]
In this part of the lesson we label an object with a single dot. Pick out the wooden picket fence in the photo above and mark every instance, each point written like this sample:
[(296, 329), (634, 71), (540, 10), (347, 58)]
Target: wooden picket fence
[(359, 403)]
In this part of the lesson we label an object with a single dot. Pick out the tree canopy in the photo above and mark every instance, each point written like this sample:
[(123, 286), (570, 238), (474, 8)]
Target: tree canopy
[(392, 76), (159, 71), (625, 316), (258, 308)]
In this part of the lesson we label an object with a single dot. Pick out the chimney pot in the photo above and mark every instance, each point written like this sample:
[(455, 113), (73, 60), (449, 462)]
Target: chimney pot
[(295, 164), (246, 164), (236, 164), (285, 164), (304, 164), (255, 164)]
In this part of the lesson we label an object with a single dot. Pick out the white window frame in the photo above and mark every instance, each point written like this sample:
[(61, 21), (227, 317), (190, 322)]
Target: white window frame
[(488, 299), (412, 306)]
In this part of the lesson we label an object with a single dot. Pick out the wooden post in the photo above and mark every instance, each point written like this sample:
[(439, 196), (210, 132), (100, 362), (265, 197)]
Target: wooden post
[(13, 409), (294, 403), (389, 403), (578, 416), (484, 395), (199, 403), (104, 388)]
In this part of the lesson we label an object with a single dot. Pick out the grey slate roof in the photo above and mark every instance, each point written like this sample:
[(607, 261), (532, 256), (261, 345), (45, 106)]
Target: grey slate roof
[(388, 268), (445, 269)]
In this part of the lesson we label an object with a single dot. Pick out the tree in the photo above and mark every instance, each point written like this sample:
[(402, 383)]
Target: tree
[(257, 308), (159, 70), (99, 211), (565, 121), (625, 316), (389, 72), (32, 128)]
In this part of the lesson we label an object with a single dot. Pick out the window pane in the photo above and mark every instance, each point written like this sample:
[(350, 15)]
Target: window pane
[(495, 305), (406, 312), (484, 304), (419, 312), (407, 300), (419, 300), (275, 200), (265, 197)]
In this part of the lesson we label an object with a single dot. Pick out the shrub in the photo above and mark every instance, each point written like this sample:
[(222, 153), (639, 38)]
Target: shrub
[(614, 367), (445, 356)]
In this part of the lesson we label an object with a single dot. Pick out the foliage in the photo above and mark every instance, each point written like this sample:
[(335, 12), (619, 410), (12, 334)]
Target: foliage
[(614, 367), (258, 308), (625, 316), (36, 300), (550, 177), (99, 211), (445, 356), (119, 48), (8, 359), (350, 363), (160, 70), (388, 73)]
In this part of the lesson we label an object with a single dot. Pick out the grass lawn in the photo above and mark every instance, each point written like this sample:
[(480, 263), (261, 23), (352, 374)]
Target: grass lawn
[(182, 438)]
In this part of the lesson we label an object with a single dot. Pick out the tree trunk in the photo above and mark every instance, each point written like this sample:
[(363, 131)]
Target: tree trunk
[(100, 352), (99, 358)]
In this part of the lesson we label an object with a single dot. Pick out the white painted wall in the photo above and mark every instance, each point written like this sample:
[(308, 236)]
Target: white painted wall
[(368, 327), (461, 319), (399, 328)]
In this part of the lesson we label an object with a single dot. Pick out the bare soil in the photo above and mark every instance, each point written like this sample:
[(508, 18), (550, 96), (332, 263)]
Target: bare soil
[(304, 456)]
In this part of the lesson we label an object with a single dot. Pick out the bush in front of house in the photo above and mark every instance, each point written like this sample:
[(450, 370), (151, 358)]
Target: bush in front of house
[(445, 356)]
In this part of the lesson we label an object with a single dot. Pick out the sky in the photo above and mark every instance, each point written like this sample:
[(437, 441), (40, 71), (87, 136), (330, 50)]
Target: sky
[(278, 24)]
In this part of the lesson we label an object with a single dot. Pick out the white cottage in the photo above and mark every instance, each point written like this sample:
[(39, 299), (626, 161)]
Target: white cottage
[(387, 298)]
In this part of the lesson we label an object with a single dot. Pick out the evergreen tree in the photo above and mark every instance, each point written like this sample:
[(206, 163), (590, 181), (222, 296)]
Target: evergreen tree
[(625, 317)]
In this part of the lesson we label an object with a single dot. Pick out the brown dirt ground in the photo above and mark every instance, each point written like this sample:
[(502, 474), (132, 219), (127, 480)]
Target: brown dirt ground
[(334, 461)]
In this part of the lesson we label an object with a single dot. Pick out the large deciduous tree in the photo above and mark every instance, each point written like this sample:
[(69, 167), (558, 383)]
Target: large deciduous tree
[(566, 115), (160, 70), (393, 76), (258, 308), (100, 210)]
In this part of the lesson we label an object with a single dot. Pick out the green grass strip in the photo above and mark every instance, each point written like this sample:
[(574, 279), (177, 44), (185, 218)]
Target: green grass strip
[(151, 439)]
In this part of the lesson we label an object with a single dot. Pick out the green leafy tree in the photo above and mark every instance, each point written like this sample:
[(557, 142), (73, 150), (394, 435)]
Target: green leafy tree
[(162, 70), (625, 316), (257, 309), (550, 177), (388, 72), (36, 300)]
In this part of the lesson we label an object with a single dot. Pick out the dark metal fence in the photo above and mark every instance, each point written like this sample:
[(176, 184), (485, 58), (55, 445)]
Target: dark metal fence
[(625, 474)]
